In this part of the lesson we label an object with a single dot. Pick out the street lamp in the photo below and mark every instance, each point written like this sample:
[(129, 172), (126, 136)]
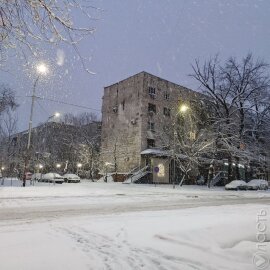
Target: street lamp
[(107, 164), (183, 108), (41, 69), (55, 115), (58, 165), (79, 165)]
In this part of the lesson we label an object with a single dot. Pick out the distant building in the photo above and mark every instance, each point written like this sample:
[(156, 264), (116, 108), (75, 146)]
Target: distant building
[(51, 143), (136, 123)]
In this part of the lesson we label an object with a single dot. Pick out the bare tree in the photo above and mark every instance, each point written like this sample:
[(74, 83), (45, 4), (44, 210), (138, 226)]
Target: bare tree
[(194, 139), (238, 93), (8, 123), (26, 23)]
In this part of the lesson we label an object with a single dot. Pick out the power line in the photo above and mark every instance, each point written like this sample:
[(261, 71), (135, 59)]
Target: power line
[(66, 103)]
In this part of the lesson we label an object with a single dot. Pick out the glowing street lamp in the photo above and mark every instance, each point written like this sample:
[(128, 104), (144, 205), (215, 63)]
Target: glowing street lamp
[(55, 115), (41, 69), (183, 108), (79, 165), (58, 165)]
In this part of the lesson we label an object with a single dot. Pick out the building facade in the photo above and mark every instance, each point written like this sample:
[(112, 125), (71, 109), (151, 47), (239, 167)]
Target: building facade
[(53, 143), (137, 115)]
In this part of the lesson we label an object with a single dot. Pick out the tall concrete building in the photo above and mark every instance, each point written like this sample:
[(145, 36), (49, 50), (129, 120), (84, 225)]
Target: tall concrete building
[(137, 116)]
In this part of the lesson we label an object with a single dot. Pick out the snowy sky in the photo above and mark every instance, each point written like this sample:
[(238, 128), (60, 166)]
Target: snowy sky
[(162, 37)]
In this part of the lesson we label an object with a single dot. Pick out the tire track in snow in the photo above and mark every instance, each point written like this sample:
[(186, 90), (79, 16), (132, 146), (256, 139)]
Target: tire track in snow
[(117, 254)]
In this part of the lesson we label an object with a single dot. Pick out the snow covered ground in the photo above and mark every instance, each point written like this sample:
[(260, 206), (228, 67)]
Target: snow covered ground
[(115, 226)]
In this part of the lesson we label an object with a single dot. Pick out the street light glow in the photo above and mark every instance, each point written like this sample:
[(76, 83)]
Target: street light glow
[(57, 114), (40, 166), (42, 68), (183, 108), (58, 165), (79, 165), (3, 168)]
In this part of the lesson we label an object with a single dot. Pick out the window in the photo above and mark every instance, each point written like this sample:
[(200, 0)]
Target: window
[(192, 135), (166, 95), (151, 108), (152, 92), (150, 143), (151, 126), (167, 112)]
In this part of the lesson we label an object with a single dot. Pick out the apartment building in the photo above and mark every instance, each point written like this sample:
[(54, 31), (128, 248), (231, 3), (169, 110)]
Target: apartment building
[(137, 119)]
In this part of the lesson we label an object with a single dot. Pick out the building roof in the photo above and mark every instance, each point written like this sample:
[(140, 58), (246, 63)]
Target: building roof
[(144, 72)]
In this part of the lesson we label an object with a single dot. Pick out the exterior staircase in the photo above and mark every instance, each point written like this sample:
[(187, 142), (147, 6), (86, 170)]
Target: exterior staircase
[(136, 176), (222, 175)]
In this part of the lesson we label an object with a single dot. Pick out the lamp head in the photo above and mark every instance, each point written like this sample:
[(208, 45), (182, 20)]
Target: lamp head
[(42, 69)]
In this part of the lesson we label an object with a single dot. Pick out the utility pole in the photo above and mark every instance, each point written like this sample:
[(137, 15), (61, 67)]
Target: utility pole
[(27, 156), (42, 69)]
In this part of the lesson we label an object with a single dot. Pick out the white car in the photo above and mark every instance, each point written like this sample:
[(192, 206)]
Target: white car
[(71, 178), (236, 185), (53, 178), (256, 184)]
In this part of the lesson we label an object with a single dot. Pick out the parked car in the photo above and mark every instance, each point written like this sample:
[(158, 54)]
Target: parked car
[(256, 184), (236, 185), (53, 178), (71, 178)]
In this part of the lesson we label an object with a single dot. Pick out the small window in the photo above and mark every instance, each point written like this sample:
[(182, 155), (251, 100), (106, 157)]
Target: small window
[(151, 108), (152, 92), (167, 95), (192, 135), (167, 112), (150, 143), (151, 126)]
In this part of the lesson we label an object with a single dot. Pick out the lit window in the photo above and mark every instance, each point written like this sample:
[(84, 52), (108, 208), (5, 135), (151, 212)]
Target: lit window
[(192, 135), (161, 171)]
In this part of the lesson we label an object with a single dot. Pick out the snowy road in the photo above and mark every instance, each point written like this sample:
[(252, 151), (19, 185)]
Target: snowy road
[(61, 208), (120, 227)]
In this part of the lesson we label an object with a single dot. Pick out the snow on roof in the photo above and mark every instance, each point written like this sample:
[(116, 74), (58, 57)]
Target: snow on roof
[(158, 152)]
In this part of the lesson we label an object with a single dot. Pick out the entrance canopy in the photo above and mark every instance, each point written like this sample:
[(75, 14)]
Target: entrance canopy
[(161, 153)]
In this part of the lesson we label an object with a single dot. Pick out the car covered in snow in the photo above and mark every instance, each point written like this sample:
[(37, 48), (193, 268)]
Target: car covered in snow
[(236, 185), (257, 184), (71, 178), (53, 178)]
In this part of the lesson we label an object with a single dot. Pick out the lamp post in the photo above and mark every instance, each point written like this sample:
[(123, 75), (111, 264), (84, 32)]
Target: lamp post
[(41, 69), (79, 165), (55, 115), (182, 109)]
